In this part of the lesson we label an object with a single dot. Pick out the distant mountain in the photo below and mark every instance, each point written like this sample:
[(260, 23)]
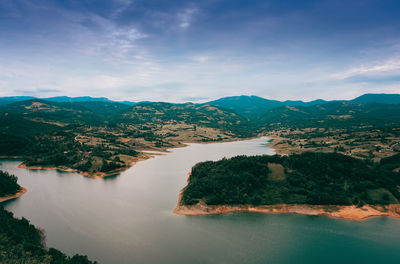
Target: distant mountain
[(378, 98), (128, 102), (302, 103), (61, 99), (253, 105), (54, 113), (64, 99), (245, 105), (12, 99), (248, 106)]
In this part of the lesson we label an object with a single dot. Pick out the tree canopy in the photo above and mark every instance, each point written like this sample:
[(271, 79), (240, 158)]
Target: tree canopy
[(307, 178)]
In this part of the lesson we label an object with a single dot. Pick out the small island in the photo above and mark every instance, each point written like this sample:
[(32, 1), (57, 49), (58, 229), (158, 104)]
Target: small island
[(310, 183)]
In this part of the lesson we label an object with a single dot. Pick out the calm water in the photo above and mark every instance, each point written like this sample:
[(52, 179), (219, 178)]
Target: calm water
[(129, 219)]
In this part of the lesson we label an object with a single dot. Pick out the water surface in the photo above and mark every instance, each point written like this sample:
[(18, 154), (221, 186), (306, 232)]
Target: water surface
[(129, 219)]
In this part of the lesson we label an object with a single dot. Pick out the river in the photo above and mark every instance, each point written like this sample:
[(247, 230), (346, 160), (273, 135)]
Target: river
[(128, 218)]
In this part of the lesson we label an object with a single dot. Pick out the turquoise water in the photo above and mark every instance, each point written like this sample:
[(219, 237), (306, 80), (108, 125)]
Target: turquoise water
[(129, 219)]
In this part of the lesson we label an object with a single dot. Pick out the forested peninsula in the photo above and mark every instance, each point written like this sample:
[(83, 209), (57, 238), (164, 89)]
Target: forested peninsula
[(9, 188), (308, 183)]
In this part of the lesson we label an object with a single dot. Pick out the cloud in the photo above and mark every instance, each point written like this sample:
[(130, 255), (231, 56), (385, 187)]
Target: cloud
[(201, 58), (185, 17), (35, 91), (123, 5), (386, 67), (95, 35)]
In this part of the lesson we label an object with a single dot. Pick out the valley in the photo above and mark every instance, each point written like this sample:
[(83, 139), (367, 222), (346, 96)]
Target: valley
[(74, 137), (207, 132), (99, 138)]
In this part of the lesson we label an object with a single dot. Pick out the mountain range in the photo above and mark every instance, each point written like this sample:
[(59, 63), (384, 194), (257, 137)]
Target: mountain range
[(238, 114), (248, 106), (43, 129), (253, 105)]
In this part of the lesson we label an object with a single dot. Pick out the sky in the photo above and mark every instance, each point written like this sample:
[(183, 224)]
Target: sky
[(180, 51)]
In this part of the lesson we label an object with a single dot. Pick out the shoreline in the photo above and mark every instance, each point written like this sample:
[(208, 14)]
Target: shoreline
[(274, 142), (333, 211), (99, 175), (96, 175), (13, 196)]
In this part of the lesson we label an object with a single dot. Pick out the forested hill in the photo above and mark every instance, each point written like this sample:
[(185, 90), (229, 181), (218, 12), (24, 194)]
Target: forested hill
[(104, 113), (251, 106), (334, 114), (307, 178), (378, 98), (59, 114), (153, 114)]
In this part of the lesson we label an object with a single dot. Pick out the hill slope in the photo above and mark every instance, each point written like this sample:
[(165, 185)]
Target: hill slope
[(51, 112), (162, 114), (13, 99), (378, 98), (336, 114), (251, 106)]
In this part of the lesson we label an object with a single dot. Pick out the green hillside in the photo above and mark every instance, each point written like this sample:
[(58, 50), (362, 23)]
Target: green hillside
[(334, 114), (153, 114), (251, 106), (60, 114), (378, 98)]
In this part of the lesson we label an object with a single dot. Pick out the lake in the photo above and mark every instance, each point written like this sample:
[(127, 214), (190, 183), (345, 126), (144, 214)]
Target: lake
[(128, 218)]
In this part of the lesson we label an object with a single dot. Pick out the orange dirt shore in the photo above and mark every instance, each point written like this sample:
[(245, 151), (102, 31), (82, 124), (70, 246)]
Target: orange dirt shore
[(9, 197), (335, 211)]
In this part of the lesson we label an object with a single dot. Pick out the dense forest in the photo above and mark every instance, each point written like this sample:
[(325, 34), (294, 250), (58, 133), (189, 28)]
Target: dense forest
[(307, 178), (8, 184), (21, 242)]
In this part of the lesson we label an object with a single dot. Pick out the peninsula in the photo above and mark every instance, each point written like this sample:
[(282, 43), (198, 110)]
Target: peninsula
[(9, 188), (310, 183)]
